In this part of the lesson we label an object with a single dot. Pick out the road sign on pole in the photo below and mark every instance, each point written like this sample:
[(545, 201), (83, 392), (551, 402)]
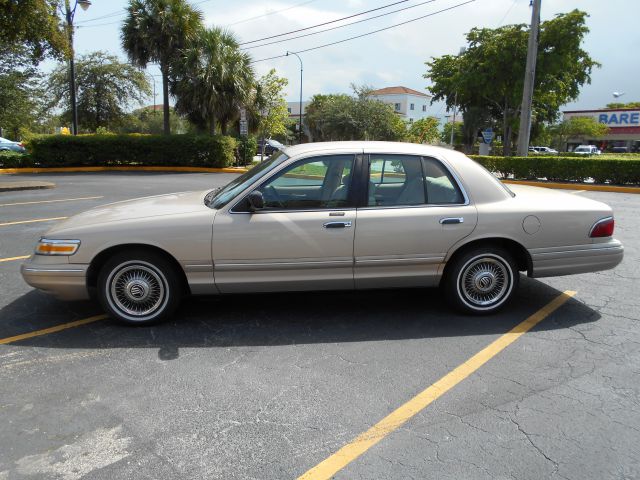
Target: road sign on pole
[(244, 127), (487, 135)]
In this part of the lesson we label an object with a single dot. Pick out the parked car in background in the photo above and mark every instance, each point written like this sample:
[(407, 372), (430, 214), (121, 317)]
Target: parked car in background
[(587, 150), (327, 216), (547, 150), (270, 146), (8, 145), (619, 150)]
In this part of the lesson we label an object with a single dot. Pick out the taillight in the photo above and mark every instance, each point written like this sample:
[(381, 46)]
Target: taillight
[(602, 228), (21, 144)]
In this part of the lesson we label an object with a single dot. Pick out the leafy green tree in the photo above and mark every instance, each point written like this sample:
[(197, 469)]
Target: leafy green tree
[(623, 105), (20, 92), (211, 79), (359, 117), (489, 75), (271, 106), (106, 88), (149, 121), (34, 25), (445, 136), (425, 130), (576, 127), (156, 31)]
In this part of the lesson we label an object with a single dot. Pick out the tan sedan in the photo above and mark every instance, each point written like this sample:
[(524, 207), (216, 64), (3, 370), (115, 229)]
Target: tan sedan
[(327, 216)]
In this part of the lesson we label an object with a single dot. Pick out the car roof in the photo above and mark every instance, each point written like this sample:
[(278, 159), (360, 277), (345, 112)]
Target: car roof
[(383, 147)]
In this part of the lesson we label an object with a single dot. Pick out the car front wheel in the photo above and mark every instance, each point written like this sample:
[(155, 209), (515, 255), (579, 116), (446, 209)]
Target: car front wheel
[(481, 281), (139, 288)]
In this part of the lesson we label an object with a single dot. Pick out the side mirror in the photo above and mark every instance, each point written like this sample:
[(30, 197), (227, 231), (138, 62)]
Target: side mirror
[(256, 200)]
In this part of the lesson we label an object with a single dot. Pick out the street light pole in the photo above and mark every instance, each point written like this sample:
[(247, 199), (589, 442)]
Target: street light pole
[(300, 103), (527, 94), (69, 14)]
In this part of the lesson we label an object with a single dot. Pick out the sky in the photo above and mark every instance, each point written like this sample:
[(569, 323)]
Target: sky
[(393, 57)]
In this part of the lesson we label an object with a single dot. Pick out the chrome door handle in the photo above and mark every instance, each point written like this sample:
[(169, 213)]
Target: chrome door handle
[(451, 220), (337, 225)]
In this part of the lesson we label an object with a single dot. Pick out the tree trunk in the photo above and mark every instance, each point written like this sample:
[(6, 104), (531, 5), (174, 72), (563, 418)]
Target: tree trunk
[(506, 131), (165, 100)]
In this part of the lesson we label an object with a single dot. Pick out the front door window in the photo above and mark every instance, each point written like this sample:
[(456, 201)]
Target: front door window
[(310, 184)]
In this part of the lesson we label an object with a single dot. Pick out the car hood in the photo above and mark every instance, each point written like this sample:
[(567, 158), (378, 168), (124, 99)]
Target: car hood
[(145, 207)]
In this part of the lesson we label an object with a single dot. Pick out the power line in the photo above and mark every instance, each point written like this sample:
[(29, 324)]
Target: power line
[(340, 26), (270, 13), (369, 33), (325, 23), (507, 13), (120, 13)]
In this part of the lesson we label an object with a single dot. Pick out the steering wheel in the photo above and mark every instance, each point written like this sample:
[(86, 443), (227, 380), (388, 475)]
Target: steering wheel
[(271, 196)]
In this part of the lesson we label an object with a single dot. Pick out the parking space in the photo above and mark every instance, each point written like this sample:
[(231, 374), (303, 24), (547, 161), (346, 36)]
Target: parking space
[(271, 386)]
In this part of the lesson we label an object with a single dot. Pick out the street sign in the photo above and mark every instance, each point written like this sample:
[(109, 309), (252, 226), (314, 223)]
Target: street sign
[(487, 135), (243, 114), (244, 127)]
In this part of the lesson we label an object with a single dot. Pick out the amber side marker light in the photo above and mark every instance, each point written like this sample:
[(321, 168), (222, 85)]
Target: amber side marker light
[(57, 247), (602, 228)]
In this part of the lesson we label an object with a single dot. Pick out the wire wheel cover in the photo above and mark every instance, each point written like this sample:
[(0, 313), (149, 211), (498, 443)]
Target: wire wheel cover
[(484, 281), (137, 289)]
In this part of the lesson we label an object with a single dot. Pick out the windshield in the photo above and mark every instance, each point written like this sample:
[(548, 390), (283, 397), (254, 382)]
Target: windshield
[(219, 198)]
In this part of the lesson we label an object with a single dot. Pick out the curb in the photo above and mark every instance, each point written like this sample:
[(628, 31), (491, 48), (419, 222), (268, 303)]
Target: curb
[(12, 171), (15, 186), (576, 186)]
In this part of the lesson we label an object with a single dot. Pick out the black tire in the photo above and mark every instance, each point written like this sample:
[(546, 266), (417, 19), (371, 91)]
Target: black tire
[(481, 281), (139, 287)]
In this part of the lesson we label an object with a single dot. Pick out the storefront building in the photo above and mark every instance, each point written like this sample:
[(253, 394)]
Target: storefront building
[(624, 129)]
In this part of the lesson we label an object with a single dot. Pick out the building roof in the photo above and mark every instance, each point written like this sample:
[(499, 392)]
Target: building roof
[(398, 91), (625, 109)]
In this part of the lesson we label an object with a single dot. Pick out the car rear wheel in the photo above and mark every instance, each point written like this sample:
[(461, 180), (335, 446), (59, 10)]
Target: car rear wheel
[(481, 281), (139, 288)]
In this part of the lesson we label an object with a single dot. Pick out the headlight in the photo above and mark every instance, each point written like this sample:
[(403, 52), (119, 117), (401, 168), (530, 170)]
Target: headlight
[(57, 247)]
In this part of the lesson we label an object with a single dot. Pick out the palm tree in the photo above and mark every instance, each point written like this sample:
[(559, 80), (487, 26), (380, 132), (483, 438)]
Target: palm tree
[(211, 79), (156, 31)]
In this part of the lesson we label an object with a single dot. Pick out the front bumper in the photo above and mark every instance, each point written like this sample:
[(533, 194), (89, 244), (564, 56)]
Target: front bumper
[(568, 260), (66, 281)]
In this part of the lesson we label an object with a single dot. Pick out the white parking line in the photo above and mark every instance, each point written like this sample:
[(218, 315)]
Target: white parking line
[(50, 201)]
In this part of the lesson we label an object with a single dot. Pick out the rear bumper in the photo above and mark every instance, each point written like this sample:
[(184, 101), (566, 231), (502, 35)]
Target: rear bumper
[(65, 280), (568, 260)]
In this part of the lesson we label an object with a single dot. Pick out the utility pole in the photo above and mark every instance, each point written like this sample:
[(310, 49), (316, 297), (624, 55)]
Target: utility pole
[(529, 79), (69, 14), (300, 103), (455, 103)]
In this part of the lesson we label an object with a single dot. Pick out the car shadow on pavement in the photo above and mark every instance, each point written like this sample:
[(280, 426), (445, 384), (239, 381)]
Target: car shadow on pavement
[(285, 319)]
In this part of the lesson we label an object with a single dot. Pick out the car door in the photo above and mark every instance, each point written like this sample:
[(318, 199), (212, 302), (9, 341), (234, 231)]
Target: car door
[(301, 240), (416, 211)]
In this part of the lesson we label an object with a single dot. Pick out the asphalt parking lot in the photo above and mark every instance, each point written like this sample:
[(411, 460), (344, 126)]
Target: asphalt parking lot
[(272, 386)]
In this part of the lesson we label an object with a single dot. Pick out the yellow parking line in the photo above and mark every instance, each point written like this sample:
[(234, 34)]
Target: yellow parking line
[(347, 454), (54, 329), (18, 222), (10, 259), (50, 201)]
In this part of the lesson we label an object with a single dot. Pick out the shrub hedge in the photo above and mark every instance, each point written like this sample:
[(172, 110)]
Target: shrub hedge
[(15, 160), (618, 171), (118, 150)]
